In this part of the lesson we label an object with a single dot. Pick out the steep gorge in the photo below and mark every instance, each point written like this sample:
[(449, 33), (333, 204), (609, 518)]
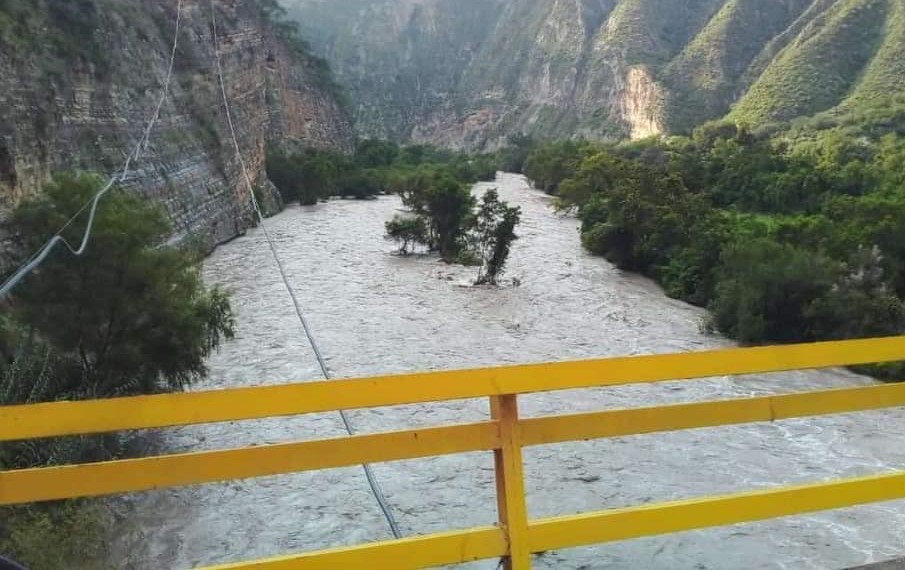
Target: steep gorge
[(79, 80), (468, 73)]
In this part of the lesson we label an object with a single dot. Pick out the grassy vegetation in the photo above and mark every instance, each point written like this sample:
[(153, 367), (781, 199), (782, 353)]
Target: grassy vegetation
[(59, 536), (652, 32), (817, 71), (704, 77), (886, 73)]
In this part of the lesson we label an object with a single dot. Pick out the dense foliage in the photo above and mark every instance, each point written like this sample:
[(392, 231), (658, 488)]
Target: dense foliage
[(434, 185), (494, 233), (133, 317), (445, 217), (376, 167), (790, 237), (444, 204), (127, 317)]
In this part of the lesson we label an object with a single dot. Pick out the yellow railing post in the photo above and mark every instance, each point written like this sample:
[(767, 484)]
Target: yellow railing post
[(510, 482)]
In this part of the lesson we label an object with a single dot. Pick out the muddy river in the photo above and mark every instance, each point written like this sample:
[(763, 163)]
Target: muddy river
[(377, 313)]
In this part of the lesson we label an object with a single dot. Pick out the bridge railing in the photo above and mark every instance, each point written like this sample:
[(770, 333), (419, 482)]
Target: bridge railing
[(505, 434)]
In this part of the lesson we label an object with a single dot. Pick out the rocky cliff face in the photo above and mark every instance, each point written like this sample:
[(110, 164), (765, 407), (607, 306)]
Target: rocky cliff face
[(470, 72), (79, 80)]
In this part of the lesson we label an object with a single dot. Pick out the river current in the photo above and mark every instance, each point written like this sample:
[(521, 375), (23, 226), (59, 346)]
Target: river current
[(374, 312)]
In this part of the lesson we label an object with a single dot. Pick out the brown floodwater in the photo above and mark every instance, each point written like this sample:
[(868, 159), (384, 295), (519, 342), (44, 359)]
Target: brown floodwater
[(375, 312)]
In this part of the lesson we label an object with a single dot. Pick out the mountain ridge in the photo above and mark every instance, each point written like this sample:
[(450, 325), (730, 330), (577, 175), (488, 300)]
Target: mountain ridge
[(602, 69)]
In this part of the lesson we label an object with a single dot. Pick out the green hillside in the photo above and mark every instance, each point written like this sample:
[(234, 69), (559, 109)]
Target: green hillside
[(704, 77), (468, 73), (885, 75), (817, 70)]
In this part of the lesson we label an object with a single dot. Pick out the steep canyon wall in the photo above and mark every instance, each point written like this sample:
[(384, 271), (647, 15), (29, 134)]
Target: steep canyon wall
[(79, 80)]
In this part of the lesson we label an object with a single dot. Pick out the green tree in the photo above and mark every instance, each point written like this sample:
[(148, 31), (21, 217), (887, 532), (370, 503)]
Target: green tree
[(373, 153), (282, 171), (317, 173), (548, 165), (128, 317), (767, 290), (407, 231), (134, 316), (448, 204), (361, 184), (494, 233), (860, 304)]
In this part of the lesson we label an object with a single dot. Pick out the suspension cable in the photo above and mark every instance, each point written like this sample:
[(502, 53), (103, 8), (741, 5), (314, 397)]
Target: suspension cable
[(38, 257), (369, 474)]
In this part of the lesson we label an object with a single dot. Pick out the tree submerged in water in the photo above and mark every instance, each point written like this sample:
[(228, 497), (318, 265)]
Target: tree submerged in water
[(406, 230), (442, 218), (494, 233)]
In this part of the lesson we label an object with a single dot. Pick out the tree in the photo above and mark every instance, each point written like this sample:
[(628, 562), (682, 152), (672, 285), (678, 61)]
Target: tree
[(128, 317), (361, 184), (305, 176), (494, 233), (372, 153), (860, 304), (767, 291), (448, 204), (407, 230), (548, 165), (282, 172), (316, 173), (133, 316)]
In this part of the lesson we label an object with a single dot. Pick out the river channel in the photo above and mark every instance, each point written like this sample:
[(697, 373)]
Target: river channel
[(375, 312)]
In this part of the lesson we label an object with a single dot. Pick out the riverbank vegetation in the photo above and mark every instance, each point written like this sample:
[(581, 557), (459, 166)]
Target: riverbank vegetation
[(128, 317), (786, 234), (307, 175), (434, 185)]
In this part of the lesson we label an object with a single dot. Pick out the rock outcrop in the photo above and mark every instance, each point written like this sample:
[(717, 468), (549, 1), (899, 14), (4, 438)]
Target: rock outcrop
[(79, 81)]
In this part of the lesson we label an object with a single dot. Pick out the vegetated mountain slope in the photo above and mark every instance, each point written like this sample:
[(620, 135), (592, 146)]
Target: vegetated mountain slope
[(704, 78), (821, 66), (79, 80), (470, 72), (885, 73)]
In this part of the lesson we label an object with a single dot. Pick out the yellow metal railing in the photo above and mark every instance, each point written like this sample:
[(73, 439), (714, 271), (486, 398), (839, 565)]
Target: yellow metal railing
[(505, 434)]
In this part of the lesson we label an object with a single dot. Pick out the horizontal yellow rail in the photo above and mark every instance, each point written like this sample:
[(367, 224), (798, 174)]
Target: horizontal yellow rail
[(70, 418), (130, 475), (650, 520), (616, 423), (417, 552), (124, 476), (505, 434), (601, 527)]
